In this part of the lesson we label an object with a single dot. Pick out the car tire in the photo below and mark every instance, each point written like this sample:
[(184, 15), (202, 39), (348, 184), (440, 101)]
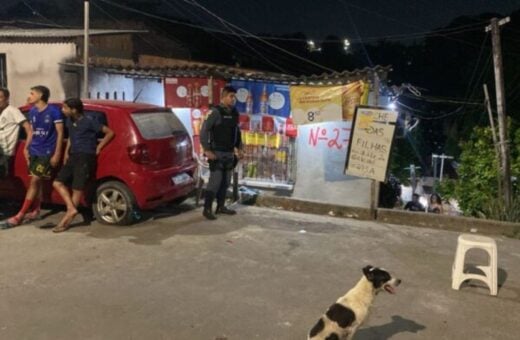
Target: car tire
[(114, 204)]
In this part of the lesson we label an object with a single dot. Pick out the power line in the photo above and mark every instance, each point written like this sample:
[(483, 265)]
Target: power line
[(228, 42), (229, 27), (218, 31), (119, 22), (467, 92), (433, 99), (457, 111), (265, 42), (35, 12)]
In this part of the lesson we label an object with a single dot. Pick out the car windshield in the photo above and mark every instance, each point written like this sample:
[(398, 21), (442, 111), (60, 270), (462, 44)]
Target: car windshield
[(156, 125)]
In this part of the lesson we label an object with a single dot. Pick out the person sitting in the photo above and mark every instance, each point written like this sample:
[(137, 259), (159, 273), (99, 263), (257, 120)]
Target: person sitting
[(435, 204), (414, 204)]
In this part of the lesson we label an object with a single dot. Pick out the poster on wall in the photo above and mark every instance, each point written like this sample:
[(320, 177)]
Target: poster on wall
[(192, 92), (318, 104), (254, 97), (371, 142)]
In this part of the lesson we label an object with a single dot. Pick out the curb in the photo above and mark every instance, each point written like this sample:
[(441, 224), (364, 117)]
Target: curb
[(391, 216)]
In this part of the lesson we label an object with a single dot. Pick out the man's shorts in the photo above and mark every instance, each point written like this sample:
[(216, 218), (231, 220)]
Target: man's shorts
[(40, 166), (5, 164), (78, 170)]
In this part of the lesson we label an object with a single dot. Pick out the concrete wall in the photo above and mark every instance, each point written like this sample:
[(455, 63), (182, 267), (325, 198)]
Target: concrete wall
[(321, 156), (120, 87), (110, 85), (150, 91), (38, 64)]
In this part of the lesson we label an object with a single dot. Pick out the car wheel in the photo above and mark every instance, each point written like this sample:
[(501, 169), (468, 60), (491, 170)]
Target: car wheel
[(114, 204)]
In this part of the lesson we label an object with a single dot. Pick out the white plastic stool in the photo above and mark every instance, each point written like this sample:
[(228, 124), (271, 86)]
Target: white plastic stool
[(465, 243)]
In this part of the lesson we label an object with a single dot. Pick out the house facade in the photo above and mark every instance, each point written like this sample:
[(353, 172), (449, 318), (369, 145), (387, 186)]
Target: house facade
[(31, 57)]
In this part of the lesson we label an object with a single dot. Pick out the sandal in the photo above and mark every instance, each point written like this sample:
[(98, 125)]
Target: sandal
[(32, 216), (10, 223), (60, 228)]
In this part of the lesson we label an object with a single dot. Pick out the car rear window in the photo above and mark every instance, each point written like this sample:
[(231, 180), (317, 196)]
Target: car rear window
[(156, 125)]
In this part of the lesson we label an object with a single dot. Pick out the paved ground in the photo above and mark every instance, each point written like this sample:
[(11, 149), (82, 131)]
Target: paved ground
[(253, 276)]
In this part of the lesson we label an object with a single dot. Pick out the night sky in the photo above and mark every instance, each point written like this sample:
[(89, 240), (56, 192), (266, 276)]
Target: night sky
[(371, 18)]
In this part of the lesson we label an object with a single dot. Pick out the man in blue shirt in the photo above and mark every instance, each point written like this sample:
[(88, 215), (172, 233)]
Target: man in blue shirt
[(42, 151), (79, 161)]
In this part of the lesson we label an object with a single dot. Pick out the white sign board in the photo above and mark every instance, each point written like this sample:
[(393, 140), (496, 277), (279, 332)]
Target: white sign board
[(371, 142)]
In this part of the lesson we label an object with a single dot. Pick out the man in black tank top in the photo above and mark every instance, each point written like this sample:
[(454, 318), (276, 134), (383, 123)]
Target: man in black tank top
[(221, 139)]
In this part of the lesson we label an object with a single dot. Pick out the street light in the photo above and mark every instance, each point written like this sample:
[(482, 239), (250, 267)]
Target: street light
[(311, 46), (346, 44)]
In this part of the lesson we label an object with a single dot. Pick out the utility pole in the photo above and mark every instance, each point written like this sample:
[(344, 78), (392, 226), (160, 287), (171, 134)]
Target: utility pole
[(502, 120), (442, 157), (85, 48), (413, 176), (495, 139)]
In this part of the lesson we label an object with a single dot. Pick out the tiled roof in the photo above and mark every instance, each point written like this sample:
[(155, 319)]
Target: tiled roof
[(158, 67), (54, 33)]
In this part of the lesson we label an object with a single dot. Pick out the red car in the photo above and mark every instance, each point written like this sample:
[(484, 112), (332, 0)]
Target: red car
[(149, 162)]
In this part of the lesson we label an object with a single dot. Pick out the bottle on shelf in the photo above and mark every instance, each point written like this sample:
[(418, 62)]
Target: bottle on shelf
[(264, 101), (249, 103)]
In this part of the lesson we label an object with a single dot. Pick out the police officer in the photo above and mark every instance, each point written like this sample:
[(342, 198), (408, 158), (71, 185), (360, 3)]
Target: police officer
[(221, 139)]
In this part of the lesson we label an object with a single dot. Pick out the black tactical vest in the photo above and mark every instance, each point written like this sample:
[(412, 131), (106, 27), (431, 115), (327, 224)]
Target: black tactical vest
[(224, 133)]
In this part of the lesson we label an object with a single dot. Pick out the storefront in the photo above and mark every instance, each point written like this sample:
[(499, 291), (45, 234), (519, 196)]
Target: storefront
[(296, 130)]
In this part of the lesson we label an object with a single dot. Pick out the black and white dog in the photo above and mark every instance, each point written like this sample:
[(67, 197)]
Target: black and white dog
[(343, 318)]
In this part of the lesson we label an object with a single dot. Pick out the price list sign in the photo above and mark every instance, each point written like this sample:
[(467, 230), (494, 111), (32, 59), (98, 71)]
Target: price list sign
[(371, 142)]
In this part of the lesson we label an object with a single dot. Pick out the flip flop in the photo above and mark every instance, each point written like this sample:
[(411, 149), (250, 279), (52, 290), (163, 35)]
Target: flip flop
[(8, 225), (47, 225), (60, 228)]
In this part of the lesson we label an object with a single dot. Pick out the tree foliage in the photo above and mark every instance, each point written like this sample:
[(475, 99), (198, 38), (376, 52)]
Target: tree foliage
[(476, 188)]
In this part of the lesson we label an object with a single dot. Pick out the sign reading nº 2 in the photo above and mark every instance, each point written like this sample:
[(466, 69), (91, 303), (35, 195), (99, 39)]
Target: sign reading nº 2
[(371, 142)]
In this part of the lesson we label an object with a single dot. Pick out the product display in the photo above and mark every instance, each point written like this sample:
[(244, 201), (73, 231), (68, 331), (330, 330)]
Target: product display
[(268, 157)]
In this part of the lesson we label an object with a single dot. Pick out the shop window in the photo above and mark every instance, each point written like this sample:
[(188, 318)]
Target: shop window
[(107, 95), (115, 95)]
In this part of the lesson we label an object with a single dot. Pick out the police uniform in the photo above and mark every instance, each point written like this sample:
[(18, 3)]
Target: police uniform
[(220, 134)]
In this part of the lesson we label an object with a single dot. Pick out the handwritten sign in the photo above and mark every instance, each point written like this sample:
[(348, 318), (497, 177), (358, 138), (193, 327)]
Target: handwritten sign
[(335, 137), (372, 136)]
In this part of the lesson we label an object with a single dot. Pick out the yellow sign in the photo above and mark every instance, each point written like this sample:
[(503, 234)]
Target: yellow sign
[(316, 104), (371, 142)]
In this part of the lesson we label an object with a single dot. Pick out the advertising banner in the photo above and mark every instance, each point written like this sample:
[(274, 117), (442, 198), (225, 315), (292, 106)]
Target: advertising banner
[(371, 142), (318, 104), (254, 97), (191, 92)]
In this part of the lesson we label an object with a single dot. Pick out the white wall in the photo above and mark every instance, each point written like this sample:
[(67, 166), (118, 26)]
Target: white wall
[(152, 91), (37, 64), (115, 84)]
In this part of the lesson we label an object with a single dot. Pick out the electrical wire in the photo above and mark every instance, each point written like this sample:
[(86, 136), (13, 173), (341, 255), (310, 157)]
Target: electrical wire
[(229, 27), (35, 12), (120, 23), (262, 40), (433, 99), (229, 42), (457, 111), (467, 92)]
